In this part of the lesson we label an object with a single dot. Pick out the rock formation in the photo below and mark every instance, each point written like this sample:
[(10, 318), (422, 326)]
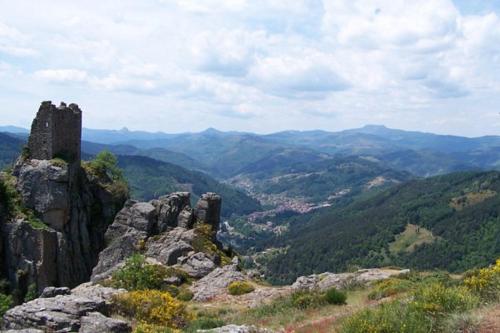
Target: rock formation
[(163, 229), (57, 244)]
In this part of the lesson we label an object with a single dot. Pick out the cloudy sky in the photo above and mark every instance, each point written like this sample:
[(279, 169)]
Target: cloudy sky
[(252, 65)]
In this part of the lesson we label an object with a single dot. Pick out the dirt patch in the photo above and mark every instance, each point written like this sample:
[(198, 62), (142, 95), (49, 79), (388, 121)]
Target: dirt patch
[(491, 321)]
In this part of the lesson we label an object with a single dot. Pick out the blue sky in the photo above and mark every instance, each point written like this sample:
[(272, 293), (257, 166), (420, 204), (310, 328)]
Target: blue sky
[(255, 65)]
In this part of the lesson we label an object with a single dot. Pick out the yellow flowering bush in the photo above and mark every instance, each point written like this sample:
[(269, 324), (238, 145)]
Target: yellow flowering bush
[(485, 281), (152, 307)]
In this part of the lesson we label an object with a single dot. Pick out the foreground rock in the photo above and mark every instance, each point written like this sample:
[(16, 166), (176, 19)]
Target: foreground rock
[(82, 310), (216, 283), (343, 280)]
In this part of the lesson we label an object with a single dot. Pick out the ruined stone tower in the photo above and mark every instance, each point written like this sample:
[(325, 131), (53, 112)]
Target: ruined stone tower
[(56, 132)]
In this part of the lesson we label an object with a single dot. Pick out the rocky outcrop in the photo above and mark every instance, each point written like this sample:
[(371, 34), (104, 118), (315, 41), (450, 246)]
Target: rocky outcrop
[(163, 230), (73, 210), (55, 233), (342, 280), (82, 310)]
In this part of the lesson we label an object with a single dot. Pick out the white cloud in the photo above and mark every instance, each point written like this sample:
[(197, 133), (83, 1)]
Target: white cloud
[(247, 65), (62, 75)]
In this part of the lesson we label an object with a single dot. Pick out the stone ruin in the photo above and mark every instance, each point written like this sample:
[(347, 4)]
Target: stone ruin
[(56, 132)]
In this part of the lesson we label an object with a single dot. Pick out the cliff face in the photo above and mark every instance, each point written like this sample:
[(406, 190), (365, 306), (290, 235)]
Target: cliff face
[(54, 213), (75, 211)]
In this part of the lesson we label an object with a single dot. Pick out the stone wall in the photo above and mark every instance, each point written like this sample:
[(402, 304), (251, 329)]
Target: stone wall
[(56, 132)]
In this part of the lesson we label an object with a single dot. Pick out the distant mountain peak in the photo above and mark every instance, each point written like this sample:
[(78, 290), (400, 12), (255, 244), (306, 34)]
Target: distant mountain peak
[(211, 130)]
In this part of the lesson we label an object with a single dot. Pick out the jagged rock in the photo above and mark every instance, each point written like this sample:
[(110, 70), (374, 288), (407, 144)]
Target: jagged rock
[(186, 218), (113, 257), (216, 283), (61, 313), (30, 255), (162, 230), (96, 322), (342, 280), (197, 265), (54, 291), (168, 249), (208, 208), (173, 210), (237, 329)]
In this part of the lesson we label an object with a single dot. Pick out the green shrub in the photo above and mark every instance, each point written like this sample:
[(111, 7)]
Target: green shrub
[(185, 295), (438, 299), (32, 293), (203, 323), (393, 317), (139, 275), (390, 287), (307, 299), (5, 303), (13, 204), (105, 167), (240, 288), (333, 296)]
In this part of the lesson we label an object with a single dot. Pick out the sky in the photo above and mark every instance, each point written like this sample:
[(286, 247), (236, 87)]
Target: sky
[(255, 65)]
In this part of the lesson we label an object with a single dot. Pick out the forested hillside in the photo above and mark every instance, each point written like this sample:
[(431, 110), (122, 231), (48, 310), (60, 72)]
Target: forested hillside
[(447, 222), (149, 178)]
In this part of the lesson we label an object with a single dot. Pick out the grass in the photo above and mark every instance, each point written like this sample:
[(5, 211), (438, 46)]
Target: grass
[(410, 238), (471, 199), (289, 311)]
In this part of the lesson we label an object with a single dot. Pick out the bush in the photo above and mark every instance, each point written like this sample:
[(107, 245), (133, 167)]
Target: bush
[(5, 303), (307, 299), (139, 275), (485, 282), (391, 317), (185, 295), (152, 307), (203, 323), (426, 311), (32, 293), (390, 287), (240, 288), (333, 296), (105, 167), (437, 299)]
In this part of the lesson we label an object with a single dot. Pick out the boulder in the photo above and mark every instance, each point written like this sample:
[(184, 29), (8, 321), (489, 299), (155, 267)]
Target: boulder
[(216, 283), (62, 313), (197, 265), (96, 322), (55, 291)]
